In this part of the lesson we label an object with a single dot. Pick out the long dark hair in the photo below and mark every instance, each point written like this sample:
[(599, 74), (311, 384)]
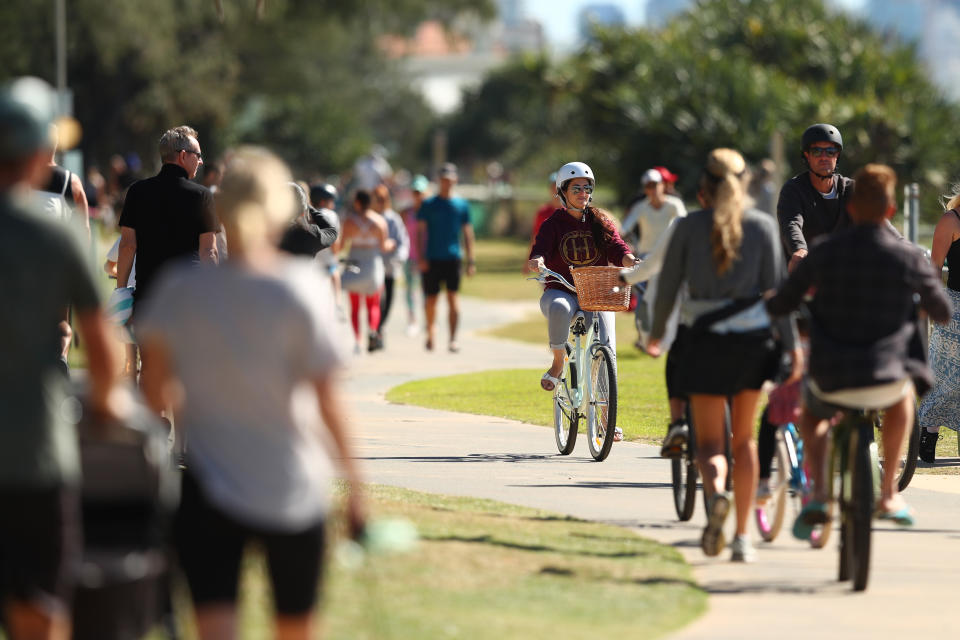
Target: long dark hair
[(602, 227)]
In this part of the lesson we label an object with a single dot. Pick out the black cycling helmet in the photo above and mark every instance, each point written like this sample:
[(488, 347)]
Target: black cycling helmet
[(322, 191), (821, 133)]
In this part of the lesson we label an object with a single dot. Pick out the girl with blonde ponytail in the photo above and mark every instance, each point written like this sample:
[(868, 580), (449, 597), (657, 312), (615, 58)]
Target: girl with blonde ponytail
[(246, 352), (727, 255)]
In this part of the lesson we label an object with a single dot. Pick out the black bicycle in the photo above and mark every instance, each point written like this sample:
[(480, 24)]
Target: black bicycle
[(854, 465), (683, 469)]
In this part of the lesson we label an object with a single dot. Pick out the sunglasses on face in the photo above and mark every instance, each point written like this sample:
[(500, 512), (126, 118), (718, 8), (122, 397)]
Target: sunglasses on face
[(196, 153), (577, 189), (830, 152)]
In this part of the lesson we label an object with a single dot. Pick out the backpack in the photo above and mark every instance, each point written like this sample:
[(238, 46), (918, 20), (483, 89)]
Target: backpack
[(53, 200)]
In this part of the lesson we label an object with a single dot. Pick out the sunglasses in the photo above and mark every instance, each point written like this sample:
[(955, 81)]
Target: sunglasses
[(577, 189), (196, 153), (830, 152)]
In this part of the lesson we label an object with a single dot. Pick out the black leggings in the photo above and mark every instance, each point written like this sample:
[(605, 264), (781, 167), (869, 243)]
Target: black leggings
[(386, 300), (766, 444)]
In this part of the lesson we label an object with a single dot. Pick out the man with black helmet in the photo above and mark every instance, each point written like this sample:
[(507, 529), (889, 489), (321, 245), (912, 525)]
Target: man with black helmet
[(814, 203)]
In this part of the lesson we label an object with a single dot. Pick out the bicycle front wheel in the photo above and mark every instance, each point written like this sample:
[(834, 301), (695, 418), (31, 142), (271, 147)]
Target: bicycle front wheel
[(683, 476), (565, 422), (770, 513), (602, 407)]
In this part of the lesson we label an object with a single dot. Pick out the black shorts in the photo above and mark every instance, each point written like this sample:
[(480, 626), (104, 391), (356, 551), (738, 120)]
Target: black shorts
[(40, 545), (210, 547), (674, 384), (727, 363), (445, 271)]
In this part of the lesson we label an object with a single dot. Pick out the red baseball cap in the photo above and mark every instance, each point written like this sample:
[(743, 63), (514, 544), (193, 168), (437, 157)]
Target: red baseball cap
[(667, 176)]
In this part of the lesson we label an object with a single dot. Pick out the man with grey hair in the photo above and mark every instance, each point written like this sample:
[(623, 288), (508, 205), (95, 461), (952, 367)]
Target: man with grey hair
[(167, 217)]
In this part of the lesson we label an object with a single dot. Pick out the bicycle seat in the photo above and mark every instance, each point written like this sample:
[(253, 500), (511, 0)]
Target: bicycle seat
[(870, 398)]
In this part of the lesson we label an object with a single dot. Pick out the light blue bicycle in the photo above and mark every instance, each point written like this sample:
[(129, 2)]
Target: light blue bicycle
[(588, 383)]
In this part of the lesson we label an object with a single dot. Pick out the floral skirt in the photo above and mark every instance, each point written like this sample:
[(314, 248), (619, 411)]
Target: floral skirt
[(941, 407)]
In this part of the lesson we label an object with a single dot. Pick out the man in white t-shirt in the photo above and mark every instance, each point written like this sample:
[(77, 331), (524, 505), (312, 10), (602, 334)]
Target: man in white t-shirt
[(650, 217), (645, 224)]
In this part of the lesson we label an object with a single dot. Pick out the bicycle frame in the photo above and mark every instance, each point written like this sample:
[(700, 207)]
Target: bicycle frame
[(586, 342)]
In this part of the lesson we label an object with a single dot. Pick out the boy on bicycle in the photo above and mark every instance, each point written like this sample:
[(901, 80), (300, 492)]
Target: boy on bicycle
[(865, 347)]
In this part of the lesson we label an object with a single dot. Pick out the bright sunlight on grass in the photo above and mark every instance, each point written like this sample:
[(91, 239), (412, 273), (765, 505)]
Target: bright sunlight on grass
[(485, 569)]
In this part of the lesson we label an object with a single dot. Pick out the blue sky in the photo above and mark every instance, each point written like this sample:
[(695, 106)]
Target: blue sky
[(559, 17)]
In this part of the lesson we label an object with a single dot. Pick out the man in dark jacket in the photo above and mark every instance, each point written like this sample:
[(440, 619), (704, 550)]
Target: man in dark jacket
[(814, 203), (862, 325)]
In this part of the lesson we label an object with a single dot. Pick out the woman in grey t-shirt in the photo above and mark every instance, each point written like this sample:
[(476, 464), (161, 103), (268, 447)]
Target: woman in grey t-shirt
[(248, 347), (724, 253)]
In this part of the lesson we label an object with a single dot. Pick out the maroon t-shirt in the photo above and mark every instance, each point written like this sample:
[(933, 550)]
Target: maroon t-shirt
[(565, 242)]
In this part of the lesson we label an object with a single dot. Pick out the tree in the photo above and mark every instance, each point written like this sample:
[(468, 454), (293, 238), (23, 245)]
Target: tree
[(307, 79), (726, 73)]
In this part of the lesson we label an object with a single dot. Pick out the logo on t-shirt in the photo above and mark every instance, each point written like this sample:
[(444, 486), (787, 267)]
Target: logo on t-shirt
[(578, 249)]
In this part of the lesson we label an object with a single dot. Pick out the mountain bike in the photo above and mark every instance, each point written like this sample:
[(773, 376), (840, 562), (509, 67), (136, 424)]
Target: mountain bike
[(588, 383)]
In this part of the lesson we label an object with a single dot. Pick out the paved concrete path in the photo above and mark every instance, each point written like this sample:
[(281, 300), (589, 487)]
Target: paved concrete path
[(790, 593)]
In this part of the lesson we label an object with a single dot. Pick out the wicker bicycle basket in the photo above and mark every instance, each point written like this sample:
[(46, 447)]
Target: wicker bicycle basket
[(600, 289)]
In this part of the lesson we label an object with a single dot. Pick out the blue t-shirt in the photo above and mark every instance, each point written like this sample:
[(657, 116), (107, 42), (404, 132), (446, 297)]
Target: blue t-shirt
[(445, 218)]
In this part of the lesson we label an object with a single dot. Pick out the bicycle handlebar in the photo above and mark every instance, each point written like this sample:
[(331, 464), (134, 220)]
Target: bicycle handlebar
[(547, 275)]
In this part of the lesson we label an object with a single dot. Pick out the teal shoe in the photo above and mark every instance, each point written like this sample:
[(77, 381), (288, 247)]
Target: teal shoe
[(902, 516), (812, 514)]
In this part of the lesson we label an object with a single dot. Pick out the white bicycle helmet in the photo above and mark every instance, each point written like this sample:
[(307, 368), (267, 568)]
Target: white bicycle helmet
[(573, 170), (570, 171)]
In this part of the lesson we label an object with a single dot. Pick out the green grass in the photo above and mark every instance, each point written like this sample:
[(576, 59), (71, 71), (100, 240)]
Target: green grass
[(500, 271), (485, 569), (643, 412)]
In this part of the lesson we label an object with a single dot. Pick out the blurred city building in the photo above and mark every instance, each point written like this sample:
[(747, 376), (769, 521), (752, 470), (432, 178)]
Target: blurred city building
[(442, 62), (658, 12), (599, 15), (932, 25)]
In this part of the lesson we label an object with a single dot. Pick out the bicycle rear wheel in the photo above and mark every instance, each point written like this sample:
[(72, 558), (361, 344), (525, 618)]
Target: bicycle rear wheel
[(770, 514), (683, 476), (856, 519), (602, 407), (565, 423), (907, 462)]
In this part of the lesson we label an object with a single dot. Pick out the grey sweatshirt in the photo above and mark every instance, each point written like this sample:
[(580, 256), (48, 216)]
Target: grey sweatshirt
[(759, 267)]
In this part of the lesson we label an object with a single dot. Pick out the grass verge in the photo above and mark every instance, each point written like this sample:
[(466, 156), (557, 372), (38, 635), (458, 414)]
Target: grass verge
[(515, 393)]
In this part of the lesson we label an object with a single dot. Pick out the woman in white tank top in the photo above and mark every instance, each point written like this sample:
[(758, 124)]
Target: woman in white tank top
[(365, 231)]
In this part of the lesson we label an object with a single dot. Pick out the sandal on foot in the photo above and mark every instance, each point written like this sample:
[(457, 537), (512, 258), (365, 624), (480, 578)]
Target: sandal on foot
[(617, 434), (548, 379), (812, 514), (902, 516), (453, 347), (712, 542)]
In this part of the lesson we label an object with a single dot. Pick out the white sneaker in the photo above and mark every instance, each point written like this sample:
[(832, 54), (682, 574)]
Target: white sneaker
[(742, 550)]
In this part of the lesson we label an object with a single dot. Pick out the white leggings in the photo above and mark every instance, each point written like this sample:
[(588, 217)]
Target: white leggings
[(559, 307)]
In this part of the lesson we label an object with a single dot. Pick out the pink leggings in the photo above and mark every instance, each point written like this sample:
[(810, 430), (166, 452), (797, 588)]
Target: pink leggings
[(373, 312)]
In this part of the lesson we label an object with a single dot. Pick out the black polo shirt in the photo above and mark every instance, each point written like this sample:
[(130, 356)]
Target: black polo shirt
[(804, 214), (168, 212)]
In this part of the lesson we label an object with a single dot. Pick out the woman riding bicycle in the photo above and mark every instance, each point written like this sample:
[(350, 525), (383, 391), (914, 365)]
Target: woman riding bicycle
[(576, 235), (728, 255)]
